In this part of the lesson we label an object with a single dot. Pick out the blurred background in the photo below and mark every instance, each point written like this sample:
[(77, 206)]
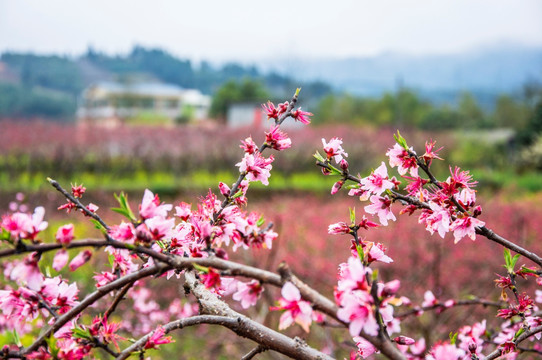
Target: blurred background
[(128, 95)]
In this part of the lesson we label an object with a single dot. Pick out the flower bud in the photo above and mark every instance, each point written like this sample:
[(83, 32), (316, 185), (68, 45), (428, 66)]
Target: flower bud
[(80, 260), (472, 346), (344, 165), (403, 340), (326, 171), (477, 211), (224, 189), (336, 187)]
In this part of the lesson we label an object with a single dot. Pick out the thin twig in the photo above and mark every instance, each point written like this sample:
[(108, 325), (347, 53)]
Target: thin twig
[(441, 306), (257, 350), (78, 203)]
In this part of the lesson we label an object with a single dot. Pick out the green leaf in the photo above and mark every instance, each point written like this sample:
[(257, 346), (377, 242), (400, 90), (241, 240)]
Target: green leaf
[(361, 254), (239, 193), (352, 215), (260, 221), (334, 170), (5, 235), (319, 157), (53, 348), (400, 140), (518, 333), (161, 244), (124, 208), (453, 338), (510, 262), (98, 226), (15, 339), (374, 276), (527, 270), (81, 333), (200, 268)]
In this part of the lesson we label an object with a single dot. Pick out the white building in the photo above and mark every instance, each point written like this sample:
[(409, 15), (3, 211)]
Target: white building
[(113, 103)]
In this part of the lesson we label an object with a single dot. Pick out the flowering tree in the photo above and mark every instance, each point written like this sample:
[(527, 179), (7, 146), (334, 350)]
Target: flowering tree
[(191, 246)]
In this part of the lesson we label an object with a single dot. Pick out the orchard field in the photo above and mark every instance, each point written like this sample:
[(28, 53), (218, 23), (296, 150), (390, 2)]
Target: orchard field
[(179, 163)]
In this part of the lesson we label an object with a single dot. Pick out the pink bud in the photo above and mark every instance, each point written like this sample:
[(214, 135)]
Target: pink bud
[(391, 287), (336, 187), (344, 165), (325, 171), (224, 189), (403, 340), (60, 260), (80, 260), (472, 346), (64, 235), (477, 211)]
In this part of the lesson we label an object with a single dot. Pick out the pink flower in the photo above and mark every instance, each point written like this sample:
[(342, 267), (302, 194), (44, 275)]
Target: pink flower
[(60, 260), (248, 293), (334, 150), (123, 232), (80, 259), (297, 310), (378, 181), (183, 211), (401, 158), (151, 207), (352, 276), (92, 207), (211, 279), (64, 235), (376, 253), (356, 309), (103, 278), (159, 227), (271, 111), (381, 206), (249, 145), (78, 190), (157, 338), (465, 226), (257, 167), (365, 348), (445, 352), (27, 272), (301, 116), (277, 139), (430, 152), (438, 219), (282, 107), (429, 299)]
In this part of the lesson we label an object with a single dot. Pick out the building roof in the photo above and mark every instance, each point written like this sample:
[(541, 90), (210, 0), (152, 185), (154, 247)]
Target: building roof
[(140, 88)]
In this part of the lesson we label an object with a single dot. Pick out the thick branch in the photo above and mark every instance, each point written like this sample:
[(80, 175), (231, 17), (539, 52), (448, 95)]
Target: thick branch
[(245, 327)]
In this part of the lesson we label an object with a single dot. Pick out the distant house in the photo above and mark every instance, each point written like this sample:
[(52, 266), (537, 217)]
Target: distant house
[(113, 103)]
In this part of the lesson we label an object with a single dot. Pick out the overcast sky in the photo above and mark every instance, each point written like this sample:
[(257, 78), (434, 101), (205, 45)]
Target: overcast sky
[(252, 29)]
